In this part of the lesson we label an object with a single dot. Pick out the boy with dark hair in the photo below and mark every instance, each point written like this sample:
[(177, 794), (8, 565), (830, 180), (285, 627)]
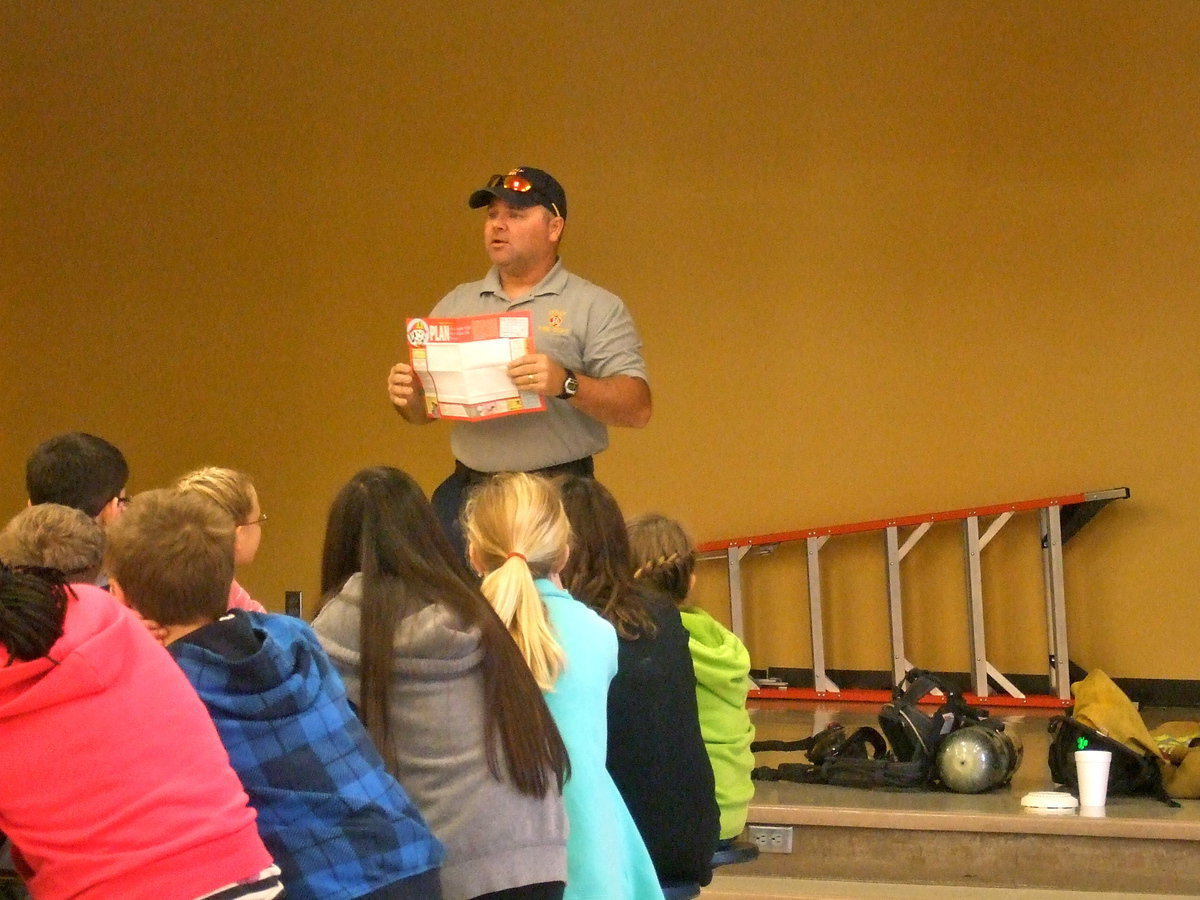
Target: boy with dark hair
[(337, 824), (78, 470)]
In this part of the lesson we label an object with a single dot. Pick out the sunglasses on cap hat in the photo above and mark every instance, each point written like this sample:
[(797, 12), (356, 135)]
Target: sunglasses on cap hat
[(533, 186), (516, 181), (513, 181)]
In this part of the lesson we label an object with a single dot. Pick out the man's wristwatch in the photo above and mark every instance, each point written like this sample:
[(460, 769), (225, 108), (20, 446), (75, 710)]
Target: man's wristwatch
[(570, 386)]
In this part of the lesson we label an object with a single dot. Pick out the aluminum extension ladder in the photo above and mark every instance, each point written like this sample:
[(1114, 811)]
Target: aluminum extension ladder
[(1060, 519)]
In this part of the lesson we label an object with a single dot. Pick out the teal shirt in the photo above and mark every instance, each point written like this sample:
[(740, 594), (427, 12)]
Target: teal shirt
[(606, 857)]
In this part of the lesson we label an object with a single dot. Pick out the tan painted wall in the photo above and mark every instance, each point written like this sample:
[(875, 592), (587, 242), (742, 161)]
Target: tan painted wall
[(886, 258)]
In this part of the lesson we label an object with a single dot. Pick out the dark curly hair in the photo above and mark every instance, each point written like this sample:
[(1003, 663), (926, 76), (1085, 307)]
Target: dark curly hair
[(33, 607)]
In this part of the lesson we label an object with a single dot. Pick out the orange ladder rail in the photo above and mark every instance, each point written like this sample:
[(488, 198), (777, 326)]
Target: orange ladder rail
[(1060, 519)]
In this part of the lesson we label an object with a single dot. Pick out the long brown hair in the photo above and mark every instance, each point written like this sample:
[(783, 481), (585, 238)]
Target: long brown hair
[(381, 524), (599, 571)]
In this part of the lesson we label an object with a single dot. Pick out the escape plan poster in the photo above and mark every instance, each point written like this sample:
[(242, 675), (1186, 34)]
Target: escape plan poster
[(463, 365)]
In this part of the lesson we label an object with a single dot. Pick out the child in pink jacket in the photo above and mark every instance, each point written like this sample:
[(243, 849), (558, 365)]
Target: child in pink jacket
[(96, 797)]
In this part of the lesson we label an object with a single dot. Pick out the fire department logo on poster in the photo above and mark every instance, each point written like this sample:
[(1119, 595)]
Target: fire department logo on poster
[(418, 332)]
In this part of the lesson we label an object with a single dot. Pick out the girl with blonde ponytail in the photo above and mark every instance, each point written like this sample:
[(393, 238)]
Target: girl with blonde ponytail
[(518, 540), (517, 533)]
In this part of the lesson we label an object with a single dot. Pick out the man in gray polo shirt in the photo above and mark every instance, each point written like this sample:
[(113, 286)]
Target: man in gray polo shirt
[(588, 363)]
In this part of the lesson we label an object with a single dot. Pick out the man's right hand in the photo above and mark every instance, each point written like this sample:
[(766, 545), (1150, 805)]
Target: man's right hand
[(405, 393)]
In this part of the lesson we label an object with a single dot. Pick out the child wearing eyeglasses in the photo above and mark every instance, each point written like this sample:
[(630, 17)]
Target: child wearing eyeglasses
[(234, 492), (79, 470)]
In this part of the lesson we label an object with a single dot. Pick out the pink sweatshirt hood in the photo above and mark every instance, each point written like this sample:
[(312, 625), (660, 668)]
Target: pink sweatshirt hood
[(85, 660)]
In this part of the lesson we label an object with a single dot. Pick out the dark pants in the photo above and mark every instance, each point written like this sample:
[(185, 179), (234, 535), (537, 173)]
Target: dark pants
[(450, 496), (426, 886), (547, 890)]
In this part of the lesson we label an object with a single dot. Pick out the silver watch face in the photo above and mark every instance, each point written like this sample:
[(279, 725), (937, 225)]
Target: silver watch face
[(571, 385)]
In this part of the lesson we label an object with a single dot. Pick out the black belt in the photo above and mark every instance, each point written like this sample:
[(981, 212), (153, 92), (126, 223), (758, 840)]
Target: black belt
[(584, 468)]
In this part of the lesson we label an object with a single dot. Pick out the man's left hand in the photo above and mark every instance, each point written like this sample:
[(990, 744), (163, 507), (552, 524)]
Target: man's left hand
[(539, 373)]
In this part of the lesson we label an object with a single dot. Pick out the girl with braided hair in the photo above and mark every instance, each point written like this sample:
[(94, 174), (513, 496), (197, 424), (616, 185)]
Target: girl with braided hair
[(663, 561)]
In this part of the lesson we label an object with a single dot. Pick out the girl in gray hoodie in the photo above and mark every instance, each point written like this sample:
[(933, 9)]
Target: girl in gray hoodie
[(443, 691)]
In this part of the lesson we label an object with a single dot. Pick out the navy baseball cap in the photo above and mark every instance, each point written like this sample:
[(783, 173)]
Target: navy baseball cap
[(524, 186)]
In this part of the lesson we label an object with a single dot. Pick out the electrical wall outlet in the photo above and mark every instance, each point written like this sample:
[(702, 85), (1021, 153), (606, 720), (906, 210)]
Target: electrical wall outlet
[(771, 838)]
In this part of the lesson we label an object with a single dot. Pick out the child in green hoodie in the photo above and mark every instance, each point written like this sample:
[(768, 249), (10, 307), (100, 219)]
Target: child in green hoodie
[(664, 560)]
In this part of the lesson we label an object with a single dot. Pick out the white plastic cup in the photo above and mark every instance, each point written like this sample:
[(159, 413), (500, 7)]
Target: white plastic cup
[(1091, 766)]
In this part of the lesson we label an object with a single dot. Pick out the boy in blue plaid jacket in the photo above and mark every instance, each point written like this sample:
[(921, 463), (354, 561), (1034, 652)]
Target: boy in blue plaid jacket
[(337, 824)]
